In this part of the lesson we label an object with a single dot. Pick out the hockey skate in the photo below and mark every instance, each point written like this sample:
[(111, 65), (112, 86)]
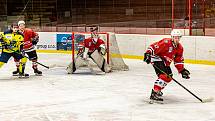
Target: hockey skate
[(16, 73), (155, 98), (159, 93), (37, 72), (23, 75)]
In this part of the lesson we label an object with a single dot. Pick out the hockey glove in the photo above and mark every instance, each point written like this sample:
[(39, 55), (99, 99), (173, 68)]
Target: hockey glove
[(10, 45), (35, 40), (1, 36), (185, 73), (147, 58), (21, 50), (23, 53)]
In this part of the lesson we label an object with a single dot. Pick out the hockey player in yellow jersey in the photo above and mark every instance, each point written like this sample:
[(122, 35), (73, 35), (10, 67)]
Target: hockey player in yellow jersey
[(12, 45), (0, 39)]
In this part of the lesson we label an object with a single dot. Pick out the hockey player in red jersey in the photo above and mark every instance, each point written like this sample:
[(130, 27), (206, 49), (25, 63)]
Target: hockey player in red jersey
[(31, 38), (160, 54), (91, 44), (91, 48)]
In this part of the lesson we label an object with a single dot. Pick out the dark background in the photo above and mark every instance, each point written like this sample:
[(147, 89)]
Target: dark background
[(61, 15)]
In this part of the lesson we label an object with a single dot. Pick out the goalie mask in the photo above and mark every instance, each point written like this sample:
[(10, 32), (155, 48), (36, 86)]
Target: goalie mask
[(95, 37)]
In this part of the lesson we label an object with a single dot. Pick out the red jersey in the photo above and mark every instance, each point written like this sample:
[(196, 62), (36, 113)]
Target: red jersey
[(88, 43), (165, 50), (28, 35)]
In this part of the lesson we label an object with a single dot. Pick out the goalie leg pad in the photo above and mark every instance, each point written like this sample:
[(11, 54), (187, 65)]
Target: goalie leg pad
[(72, 67), (100, 61)]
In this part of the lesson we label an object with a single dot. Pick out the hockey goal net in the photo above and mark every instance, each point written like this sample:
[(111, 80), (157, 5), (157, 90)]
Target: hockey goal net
[(113, 56)]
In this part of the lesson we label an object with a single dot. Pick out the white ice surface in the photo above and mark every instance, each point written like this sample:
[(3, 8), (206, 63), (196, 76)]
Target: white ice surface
[(117, 96)]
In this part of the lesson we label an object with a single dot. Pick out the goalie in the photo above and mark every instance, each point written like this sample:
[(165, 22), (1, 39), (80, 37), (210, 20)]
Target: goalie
[(91, 48)]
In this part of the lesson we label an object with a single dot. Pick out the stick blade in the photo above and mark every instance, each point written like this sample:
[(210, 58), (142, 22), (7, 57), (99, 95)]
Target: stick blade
[(52, 66), (210, 99), (55, 65)]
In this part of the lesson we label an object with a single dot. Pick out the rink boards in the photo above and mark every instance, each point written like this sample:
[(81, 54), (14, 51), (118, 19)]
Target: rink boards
[(197, 49)]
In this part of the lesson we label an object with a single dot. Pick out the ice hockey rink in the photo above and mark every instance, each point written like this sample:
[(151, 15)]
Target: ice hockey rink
[(116, 96)]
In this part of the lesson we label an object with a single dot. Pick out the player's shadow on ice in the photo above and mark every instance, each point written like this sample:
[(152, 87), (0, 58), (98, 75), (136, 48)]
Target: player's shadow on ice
[(87, 74), (7, 79), (168, 100), (57, 71)]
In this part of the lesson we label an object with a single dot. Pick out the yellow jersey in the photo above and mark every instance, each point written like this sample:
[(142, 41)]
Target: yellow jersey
[(11, 42), (0, 40)]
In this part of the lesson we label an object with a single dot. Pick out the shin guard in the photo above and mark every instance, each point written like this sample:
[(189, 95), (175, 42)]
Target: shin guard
[(161, 82)]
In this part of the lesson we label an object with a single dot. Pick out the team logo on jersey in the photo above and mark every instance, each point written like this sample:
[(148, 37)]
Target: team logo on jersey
[(170, 49), (165, 41), (156, 46), (8, 37)]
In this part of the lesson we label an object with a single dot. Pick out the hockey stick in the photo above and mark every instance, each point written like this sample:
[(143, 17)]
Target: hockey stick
[(37, 62), (23, 10), (210, 99)]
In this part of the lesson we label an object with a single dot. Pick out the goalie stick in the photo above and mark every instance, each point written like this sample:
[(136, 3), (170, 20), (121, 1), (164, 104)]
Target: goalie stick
[(209, 99)]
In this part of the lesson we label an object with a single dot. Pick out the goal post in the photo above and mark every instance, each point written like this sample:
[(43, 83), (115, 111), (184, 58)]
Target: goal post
[(113, 55)]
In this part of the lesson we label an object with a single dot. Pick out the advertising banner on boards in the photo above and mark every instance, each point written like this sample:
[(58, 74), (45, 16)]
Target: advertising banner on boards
[(64, 41), (47, 41)]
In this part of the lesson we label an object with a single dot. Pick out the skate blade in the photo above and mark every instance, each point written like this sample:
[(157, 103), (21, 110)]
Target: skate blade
[(38, 74), (15, 74), (99, 73), (23, 77), (209, 99), (155, 102)]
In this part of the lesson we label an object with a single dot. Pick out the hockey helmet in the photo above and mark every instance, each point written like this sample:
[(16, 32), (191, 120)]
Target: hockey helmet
[(21, 22), (176, 32)]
